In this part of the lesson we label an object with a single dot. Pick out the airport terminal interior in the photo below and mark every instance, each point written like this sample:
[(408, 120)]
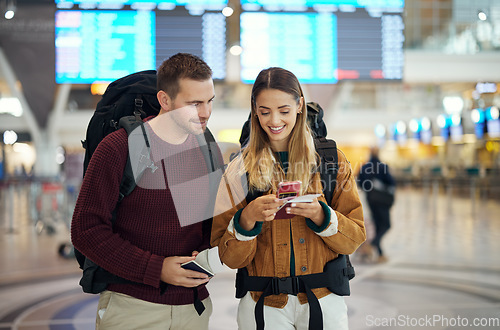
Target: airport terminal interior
[(419, 79)]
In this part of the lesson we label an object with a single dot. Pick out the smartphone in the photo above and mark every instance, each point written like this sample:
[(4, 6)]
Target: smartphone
[(287, 190), (193, 265)]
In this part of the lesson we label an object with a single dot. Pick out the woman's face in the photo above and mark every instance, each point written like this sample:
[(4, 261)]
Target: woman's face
[(277, 114)]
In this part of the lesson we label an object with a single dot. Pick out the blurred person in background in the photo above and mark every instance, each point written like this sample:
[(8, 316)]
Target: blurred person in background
[(379, 185)]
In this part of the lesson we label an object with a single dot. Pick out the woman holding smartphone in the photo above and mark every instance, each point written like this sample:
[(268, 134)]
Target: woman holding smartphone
[(278, 257)]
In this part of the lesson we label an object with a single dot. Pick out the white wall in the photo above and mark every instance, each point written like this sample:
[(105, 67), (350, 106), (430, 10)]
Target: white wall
[(435, 67)]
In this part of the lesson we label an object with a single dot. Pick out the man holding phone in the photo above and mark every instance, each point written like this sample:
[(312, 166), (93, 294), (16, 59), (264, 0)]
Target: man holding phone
[(148, 241)]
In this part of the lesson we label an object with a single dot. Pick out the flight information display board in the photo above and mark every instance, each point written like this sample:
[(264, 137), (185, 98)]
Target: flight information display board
[(323, 47), (103, 45), (203, 36), (303, 43), (286, 4), (206, 3)]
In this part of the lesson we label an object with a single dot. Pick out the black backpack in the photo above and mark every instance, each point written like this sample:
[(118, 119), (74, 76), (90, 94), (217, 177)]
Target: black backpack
[(126, 102)]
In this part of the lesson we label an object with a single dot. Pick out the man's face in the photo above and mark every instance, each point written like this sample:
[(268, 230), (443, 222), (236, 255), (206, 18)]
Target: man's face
[(192, 106)]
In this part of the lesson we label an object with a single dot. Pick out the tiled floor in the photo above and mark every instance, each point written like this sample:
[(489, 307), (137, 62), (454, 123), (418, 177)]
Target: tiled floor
[(443, 270)]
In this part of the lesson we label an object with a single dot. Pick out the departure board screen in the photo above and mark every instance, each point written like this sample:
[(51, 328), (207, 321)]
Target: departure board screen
[(324, 47), (103, 45), (203, 36), (205, 3), (302, 43), (292, 4)]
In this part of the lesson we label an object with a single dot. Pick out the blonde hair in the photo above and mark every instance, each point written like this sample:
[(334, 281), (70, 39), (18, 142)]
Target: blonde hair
[(263, 168)]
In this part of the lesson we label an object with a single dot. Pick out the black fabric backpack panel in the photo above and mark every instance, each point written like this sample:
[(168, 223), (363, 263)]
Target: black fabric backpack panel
[(118, 101)]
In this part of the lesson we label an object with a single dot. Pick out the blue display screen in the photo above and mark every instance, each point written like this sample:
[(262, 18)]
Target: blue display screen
[(130, 2), (103, 45), (323, 47), (304, 43), (311, 3)]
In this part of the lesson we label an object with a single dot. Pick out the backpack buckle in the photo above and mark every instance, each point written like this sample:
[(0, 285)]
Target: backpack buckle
[(329, 167), (138, 104), (286, 285)]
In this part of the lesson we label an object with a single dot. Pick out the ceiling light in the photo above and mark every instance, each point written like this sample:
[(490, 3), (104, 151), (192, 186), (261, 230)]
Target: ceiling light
[(11, 9), (236, 50), (227, 11)]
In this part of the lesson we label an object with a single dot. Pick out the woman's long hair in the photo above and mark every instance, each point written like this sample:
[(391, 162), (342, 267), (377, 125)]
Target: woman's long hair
[(262, 166)]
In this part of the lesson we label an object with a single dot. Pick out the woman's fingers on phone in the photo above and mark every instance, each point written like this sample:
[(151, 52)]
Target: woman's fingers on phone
[(304, 209)]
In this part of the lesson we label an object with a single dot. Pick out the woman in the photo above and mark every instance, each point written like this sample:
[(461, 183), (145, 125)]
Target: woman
[(281, 148)]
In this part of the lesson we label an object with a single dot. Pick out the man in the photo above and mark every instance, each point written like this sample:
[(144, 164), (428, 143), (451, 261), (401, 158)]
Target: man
[(373, 176), (148, 242)]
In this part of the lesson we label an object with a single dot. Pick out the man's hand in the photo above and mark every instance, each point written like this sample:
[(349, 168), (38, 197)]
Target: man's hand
[(173, 273)]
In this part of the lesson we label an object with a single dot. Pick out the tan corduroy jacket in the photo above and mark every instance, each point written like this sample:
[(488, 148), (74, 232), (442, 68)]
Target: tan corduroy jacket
[(268, 254)]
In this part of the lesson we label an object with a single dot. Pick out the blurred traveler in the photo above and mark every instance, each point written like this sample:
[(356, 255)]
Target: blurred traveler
[(147, 242), (375, 179), (286, 263)]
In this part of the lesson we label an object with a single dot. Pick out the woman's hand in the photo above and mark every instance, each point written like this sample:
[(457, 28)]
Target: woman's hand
[(312, 210), (263, 208)]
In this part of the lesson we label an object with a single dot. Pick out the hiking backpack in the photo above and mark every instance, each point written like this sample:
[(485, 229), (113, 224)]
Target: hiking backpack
[(125, 103)]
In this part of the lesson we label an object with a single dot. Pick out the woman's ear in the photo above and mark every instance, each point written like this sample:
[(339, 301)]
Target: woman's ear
[(301, 103), (164, 100)]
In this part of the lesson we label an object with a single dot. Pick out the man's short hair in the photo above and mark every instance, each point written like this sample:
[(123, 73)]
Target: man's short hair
[(178, 66)]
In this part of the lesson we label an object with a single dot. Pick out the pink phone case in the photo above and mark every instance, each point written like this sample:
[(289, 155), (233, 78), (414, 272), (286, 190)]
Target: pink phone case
[(287, 190)]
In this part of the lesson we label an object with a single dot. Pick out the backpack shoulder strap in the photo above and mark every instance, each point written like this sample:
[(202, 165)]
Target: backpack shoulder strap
[(208, 148), (328, 168), (129, 182), (327, 151)]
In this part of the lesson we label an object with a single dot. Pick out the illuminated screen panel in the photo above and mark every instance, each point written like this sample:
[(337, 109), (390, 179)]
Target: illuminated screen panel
[(304, 43), (204, 36), (130, 2), (311, 3), (370, 48), (103, 45), (324, 47)]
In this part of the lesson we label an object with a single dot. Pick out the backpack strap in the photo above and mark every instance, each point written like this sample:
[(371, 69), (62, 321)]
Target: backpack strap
[(207, 143), (335, 277), (327, 150), (129, 182), (328, 168)]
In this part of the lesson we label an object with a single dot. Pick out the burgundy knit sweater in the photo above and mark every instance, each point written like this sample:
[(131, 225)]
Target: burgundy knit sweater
[(147, 228)]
